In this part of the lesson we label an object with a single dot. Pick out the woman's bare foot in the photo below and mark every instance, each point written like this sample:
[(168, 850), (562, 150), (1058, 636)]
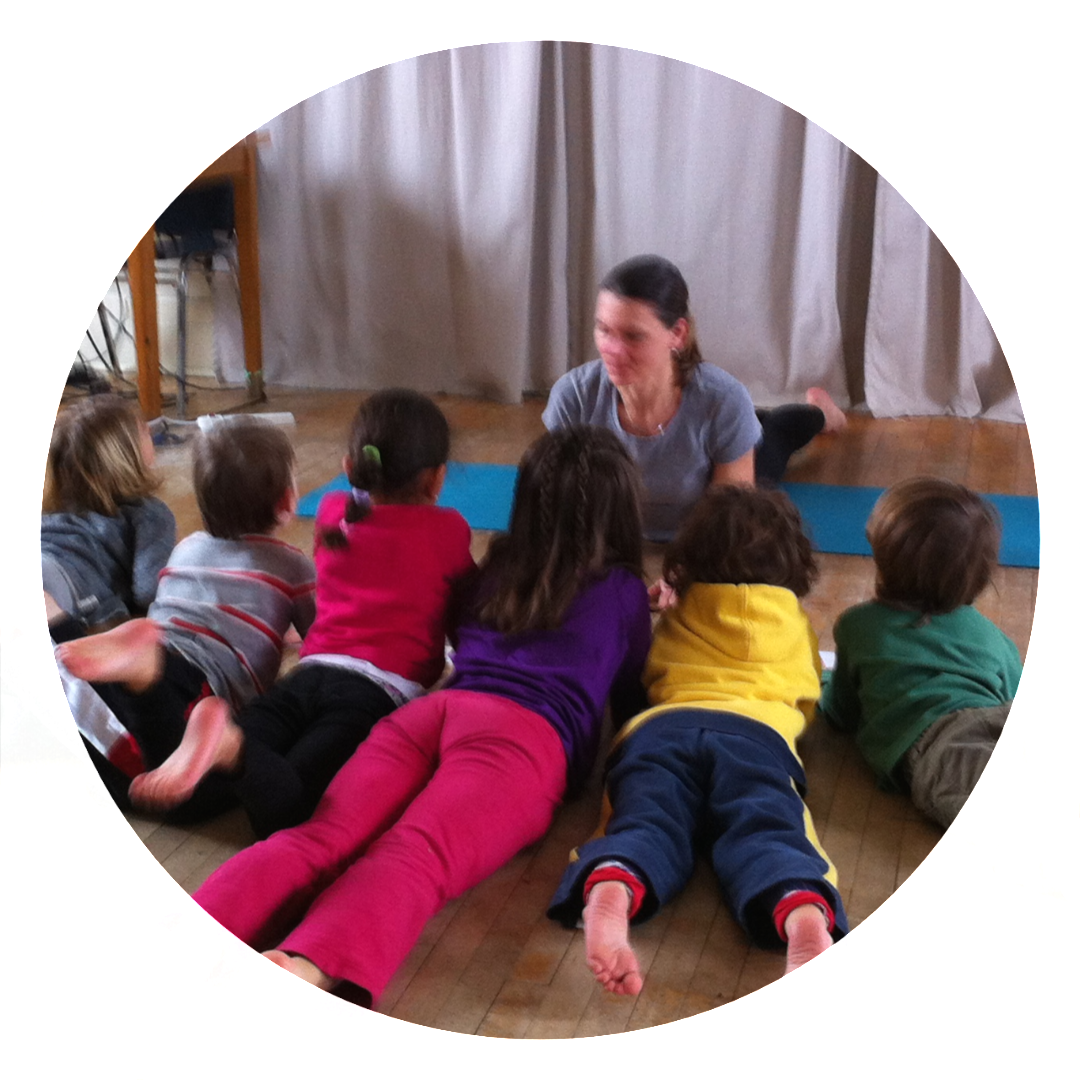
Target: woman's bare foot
[(835, 420), (211, 741), (808, 935), (607, 939), (130, 654), (302, 967)]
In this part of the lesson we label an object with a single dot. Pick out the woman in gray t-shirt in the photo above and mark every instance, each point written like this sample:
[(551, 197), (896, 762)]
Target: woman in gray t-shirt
[(688, 424)]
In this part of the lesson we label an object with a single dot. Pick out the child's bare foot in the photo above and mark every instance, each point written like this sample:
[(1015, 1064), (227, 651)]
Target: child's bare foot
[(302, 967), (808, 935), (835, 420), (607, 939), (211, 741), (131, 654)]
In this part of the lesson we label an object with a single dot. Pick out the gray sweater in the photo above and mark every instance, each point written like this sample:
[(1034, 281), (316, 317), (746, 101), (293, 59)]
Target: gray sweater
[(111, 563), (225, 606)]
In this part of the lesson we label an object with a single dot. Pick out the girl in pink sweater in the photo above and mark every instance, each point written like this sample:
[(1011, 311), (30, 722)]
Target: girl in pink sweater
[(387, 560)]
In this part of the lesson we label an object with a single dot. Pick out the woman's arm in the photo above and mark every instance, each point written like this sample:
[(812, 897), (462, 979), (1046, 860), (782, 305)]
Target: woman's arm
[(739, 471)]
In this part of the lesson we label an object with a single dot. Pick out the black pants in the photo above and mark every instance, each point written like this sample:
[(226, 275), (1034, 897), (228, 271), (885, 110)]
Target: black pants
[(297, 736), (157, 720), (784, 430)]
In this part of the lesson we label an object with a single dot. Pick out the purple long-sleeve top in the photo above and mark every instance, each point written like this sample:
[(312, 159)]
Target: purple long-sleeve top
[(567, 675)]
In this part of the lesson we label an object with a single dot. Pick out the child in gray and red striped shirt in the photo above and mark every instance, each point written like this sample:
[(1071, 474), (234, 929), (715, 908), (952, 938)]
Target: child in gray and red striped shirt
[(217, 625)]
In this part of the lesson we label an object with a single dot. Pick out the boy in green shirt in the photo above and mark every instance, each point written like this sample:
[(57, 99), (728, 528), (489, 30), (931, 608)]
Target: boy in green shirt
[(923, 679)]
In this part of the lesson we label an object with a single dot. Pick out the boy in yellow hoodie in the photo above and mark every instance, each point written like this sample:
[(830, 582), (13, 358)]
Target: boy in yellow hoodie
[(733, 678)]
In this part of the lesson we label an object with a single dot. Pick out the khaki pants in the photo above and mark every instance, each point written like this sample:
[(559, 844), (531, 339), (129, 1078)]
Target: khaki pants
[(948, 758)]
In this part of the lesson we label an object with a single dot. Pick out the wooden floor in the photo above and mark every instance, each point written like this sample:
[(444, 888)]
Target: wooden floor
[(491, 963)]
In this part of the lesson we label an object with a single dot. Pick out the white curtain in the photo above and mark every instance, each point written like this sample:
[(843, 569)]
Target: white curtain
[(442, 223)]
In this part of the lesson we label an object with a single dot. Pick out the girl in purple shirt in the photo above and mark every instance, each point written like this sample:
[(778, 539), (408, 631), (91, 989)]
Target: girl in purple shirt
[(449, 787)]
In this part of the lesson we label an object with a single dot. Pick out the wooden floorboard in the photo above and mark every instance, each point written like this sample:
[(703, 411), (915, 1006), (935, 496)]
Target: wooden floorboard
[(491, 962)]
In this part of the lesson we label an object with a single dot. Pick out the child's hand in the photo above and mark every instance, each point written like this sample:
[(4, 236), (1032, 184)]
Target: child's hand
[(661, 596)]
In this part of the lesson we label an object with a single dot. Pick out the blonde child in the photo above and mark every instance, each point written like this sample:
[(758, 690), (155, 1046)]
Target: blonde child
[(225, 601), (923, 679), (733, 679), (387, 561), (104, 536), (446, 789)]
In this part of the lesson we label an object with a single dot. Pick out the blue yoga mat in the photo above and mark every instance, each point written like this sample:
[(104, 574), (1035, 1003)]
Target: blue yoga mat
[(835, 514), (482, 494)]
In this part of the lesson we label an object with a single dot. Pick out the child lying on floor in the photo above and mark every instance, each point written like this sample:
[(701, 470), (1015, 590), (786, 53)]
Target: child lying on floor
[(733, 677), (923, 679), (224, 603)]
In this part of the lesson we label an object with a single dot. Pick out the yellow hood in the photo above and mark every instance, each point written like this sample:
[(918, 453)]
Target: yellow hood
[(746, 649)]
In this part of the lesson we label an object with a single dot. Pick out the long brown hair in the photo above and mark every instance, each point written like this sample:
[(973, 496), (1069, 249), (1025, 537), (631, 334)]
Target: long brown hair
[(576, 514), (659, 283), (740, 535), (396, 434), (95, 459), (935, 545)]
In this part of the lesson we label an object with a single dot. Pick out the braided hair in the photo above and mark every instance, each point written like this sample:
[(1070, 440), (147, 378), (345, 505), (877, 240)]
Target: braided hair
[(576, 515)]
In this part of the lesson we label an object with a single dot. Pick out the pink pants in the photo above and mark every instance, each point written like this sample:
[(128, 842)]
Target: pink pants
[(442, 793)]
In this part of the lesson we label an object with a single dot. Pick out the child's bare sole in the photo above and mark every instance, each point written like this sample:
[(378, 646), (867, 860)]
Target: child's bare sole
[(211, 741), (130, 653), (835, 420), (302, 967), (808, 935), (607, 939)]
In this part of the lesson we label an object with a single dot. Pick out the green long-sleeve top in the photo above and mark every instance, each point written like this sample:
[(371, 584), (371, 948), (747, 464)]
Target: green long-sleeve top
[(898, 671)]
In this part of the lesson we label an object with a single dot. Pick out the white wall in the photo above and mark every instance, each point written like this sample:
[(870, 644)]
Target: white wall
[(214, 339)]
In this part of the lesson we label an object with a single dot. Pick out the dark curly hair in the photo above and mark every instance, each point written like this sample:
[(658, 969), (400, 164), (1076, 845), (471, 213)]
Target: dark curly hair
[(740, 535)]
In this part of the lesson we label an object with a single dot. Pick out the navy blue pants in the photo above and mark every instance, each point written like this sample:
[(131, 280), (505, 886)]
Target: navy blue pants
[(697, 781)]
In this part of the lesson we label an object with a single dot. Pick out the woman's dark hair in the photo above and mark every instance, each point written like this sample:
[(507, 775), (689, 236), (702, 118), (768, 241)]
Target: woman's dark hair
[(935, 545), (396, 435), (658, 282), (739, 535), (576, 514), (243, 469), (95, 458)]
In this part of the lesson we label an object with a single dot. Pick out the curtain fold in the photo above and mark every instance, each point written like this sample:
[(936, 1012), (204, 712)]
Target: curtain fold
[(442, 223)]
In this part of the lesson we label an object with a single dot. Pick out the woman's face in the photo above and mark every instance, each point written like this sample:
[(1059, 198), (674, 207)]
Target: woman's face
[(633, 343)]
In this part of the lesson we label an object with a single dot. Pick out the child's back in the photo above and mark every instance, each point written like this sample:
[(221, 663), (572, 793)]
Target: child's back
[(226, 603), (566, 674), (747, 649), (448, 787), (385, 597), (387, 562), (919, 653), (897, 672), (217, 625), (732, 679)]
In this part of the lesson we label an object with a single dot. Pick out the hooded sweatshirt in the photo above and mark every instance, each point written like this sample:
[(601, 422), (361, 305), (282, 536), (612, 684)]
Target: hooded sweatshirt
[(744, 649)]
